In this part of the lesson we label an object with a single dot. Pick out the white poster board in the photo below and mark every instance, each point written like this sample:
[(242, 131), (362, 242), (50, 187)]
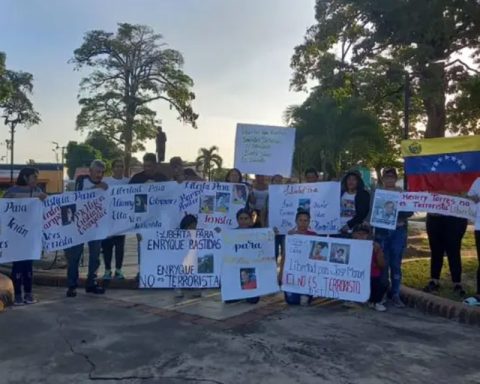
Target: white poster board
[(328, 267), (436, 203), (20, 230), (180, 259), (322, 200), (248, 264), (385, 209), (135, 208), (215, 204), (264, 149), (74, 218)]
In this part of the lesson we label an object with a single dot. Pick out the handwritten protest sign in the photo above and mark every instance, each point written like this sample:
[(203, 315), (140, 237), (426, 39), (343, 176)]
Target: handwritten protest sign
[(322, 200), (180, 259), (215, 204), (20, 230), (435, 203), (385, 209), (328, 267), (264, 150), (74, 218), (248, 264), (138, 207)]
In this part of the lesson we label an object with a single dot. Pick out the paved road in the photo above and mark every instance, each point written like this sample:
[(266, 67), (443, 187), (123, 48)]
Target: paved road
[(93, 339)]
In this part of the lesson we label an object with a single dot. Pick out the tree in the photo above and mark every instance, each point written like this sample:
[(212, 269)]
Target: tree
[(79, 155), (208, 160), (131, 69), (17, 109), (5, 86), (333, 135), (106, 146), (423, 37)]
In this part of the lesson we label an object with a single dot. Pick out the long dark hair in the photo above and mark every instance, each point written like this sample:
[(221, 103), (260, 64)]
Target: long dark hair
[(227, 176), (24, 174)]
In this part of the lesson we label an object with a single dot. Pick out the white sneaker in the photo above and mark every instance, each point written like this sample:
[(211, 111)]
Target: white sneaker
[(379, 307)]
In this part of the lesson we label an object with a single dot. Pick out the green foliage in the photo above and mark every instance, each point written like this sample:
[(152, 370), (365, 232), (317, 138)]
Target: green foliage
[(5, 86), (131, 69), (79, 155), (107, 147), (358, 44), (219, 174), (332, 135), (17, 107), (208, 160)]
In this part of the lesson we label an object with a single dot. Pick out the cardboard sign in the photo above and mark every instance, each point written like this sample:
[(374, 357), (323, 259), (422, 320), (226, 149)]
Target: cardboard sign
[(385, 209), (440, 204), (249, 268), (264, 149), (322, 200), (74, 218), (215, 204), (328, 267), (20, 230), (180, 259), (135, 208)]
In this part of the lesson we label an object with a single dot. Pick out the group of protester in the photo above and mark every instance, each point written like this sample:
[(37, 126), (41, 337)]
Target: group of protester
[(445, 233)]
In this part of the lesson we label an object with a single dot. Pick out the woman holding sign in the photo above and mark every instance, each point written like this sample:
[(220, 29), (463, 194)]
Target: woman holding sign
[(302, 221), (22, 271)]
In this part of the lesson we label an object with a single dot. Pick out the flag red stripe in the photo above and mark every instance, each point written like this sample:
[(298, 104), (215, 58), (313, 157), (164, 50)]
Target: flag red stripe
[(457, 183)]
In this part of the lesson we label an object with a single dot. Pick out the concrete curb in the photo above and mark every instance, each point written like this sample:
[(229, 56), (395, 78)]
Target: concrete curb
[(440, 306)]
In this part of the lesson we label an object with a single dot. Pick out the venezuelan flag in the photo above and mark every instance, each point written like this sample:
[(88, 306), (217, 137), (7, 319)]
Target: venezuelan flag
[(447, 164)]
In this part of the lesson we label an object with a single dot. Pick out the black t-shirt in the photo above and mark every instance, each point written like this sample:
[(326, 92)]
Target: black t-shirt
[(142, 178)]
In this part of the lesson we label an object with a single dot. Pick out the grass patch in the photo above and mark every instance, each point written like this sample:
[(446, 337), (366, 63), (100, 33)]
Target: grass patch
[(416, 275)]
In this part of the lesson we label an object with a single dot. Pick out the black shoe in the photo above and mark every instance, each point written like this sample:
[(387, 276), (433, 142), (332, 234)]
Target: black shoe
[(95, 289), (71, 292), (431, 287), (458, 289)]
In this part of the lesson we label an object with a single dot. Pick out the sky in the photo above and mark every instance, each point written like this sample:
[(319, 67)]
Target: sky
[(237, 52)]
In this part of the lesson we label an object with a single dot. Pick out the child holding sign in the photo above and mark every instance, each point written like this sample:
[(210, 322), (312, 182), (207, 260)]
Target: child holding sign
[(377, 284), (302, 220), (245, 221)]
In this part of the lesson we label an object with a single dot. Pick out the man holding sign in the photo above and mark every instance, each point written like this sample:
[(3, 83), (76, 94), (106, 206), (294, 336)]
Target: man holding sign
[(74, 254)]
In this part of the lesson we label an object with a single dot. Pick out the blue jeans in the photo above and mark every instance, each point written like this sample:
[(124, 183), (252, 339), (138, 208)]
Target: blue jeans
[(294, 298), (74, 254), (393, 244)]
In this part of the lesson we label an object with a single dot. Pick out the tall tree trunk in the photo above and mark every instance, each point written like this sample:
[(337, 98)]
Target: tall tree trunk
[(433, 87)]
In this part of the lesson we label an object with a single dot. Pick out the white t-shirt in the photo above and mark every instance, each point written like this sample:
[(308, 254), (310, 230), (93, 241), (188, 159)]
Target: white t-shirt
[(347, 208), (111, 181), (475, 191)]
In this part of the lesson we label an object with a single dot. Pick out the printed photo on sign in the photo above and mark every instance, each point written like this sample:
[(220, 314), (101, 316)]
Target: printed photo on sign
[(223, 202), (141, 203), (240, 195), (304, 205), (248, 278), (207, 203), (320, 251), (205, 264), (385, 211), (68, 214), (340, 253)]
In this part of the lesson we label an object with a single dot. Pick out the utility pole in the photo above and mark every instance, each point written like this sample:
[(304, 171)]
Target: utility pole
[(12, 144), (406, 118)]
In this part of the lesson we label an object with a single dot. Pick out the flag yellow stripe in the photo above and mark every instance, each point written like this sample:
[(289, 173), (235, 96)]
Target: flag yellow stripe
[(440, 145)]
